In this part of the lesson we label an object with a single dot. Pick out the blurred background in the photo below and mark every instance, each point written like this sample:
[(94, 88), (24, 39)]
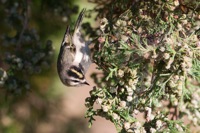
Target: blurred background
[(32, 98)]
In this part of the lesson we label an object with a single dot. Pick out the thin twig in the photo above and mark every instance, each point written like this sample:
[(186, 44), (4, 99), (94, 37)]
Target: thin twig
[(26, 13), (175, 113)]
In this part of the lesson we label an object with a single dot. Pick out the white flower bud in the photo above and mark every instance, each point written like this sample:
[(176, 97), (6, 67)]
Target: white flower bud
[(176, 3), (185, 46), (128, 88), (118, 23), (134, 87), (143, 101), (195, 103), (162, 49), (124, 23), (184, 21), (103, 22), (198, 16), (179, 28), (152, 130), (101, 39), (122, 90), (140, 11), (176, 77), (166, 119), (3, 74), (120, 73), (122, 104), (194, 120), (171, 60), (129, 98), (184, 16), (137, 125), (158, 124), (182, 78), (130, 93), (131, 82), (124, 38), (149, 110), (172, 7), (180, 88), (179, 44), (113, 89), (137, 131), (142, 130), (152, 117), (133, 72), (154, 56), (135, 111), (186, 59), (127, 125), (175, 102), (115, 116), (197, 113), (166, 56), (183, 65), (169, 41), (105, 108), (180, 129), (99, 101), (183, 107), (198, 44), (190, 117)]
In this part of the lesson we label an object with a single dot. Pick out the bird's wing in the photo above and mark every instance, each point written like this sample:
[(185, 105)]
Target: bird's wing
[(82, 55), (78, 23), (67, 50), (86, 61)]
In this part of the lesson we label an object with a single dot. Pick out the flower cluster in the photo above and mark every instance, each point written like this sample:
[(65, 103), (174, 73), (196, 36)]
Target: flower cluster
[(150, 59)]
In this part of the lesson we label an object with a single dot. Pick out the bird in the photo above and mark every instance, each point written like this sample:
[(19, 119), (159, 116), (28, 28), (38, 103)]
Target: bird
[(74, 56)]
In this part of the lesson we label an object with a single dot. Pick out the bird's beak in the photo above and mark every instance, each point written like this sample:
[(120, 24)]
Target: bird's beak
[(86, 83)]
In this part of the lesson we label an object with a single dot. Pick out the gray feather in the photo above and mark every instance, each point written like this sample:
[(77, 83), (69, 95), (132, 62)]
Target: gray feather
[(82, 55), (74, 51)]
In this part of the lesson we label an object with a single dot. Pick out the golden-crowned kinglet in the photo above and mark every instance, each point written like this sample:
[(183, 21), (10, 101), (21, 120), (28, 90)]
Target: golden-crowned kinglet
[(74, 57)]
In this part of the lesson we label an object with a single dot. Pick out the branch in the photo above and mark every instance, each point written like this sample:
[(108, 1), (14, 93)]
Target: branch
[(26, 13)]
